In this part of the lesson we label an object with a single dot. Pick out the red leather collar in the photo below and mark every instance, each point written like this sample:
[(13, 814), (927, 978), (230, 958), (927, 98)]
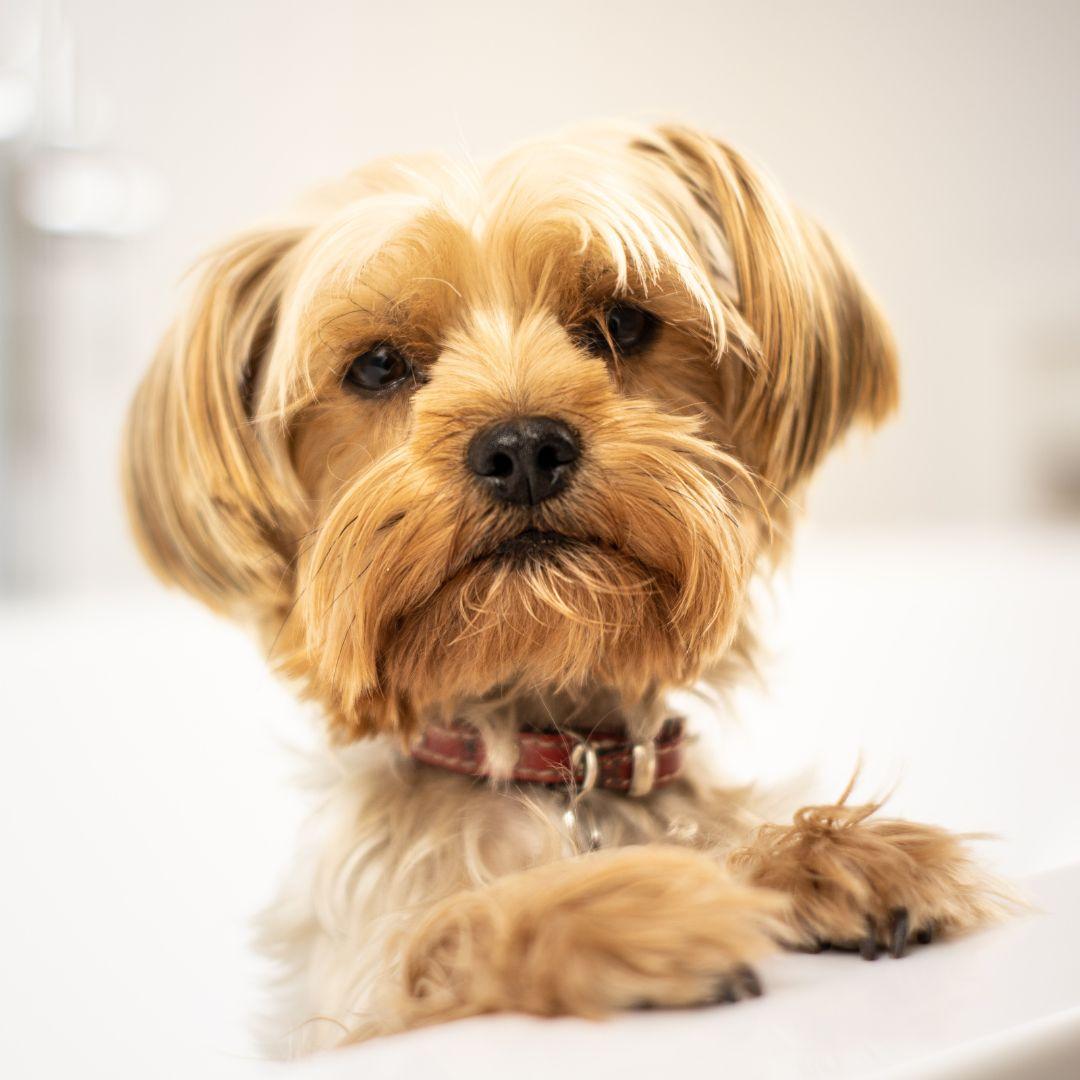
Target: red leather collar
[(601, 759)]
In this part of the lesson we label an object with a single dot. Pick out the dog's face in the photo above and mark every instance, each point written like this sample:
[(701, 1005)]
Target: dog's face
[(450, 432)]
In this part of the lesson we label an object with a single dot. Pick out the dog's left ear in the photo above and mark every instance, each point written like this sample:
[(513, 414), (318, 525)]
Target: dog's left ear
[(811, 351), (208, 508)]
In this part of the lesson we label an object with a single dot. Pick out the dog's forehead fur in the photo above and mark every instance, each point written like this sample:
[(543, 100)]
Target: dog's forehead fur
[(417, 248)]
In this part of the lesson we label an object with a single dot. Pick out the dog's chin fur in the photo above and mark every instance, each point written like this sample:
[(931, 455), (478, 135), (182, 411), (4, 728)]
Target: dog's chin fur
[(561, 620), (349, 529)]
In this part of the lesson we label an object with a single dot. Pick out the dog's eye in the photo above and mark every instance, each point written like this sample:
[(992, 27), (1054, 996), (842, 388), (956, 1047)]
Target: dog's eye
[(380, 368), (629, 327), (624, 326)]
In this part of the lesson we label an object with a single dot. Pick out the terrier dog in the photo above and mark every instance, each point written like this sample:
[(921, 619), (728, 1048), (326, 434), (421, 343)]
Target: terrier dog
[(489, 458)]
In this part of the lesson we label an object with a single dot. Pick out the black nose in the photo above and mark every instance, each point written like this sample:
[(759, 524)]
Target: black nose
[(525, 461)]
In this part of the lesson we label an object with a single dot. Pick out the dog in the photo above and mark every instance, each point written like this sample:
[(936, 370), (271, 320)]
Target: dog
[(488, 458)]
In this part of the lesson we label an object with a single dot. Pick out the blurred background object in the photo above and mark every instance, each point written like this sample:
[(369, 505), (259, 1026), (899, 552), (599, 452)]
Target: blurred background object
[(73, 213), (938, 140)]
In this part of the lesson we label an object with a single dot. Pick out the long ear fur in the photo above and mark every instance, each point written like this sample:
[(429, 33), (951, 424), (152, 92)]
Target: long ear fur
[(208, 510), (817, 354)]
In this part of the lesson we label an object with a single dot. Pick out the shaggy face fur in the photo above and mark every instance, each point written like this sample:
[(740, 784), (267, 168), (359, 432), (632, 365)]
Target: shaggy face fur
[(270, 476), (350, 527)]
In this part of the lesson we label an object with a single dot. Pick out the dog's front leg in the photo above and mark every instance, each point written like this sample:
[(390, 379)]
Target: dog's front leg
[(633, 927), (857, 881)]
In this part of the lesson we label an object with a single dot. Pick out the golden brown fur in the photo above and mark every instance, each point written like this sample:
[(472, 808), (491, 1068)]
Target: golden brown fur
[(347, 530)]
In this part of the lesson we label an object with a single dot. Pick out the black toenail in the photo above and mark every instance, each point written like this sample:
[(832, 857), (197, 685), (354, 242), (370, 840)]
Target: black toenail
[(751, 983), (868, 947), (898, 937)]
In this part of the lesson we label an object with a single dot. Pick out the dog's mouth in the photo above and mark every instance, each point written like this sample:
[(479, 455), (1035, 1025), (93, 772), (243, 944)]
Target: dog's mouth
[(533, 544), (536, 548)]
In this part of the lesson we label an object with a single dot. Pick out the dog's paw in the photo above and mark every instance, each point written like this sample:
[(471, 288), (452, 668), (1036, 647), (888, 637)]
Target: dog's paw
[(867, 884), (645, 927)]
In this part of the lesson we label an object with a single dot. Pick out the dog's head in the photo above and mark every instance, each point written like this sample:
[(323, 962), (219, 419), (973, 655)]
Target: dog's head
[(446, 431)]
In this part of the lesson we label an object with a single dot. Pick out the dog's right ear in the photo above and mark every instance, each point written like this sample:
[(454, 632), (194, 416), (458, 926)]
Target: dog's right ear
[(209, 510)]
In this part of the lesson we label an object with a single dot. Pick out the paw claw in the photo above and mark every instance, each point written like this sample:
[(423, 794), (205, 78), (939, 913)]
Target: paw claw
[(749, 979), (742, 982), (924, 935), (868, 947), (898, 936)]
